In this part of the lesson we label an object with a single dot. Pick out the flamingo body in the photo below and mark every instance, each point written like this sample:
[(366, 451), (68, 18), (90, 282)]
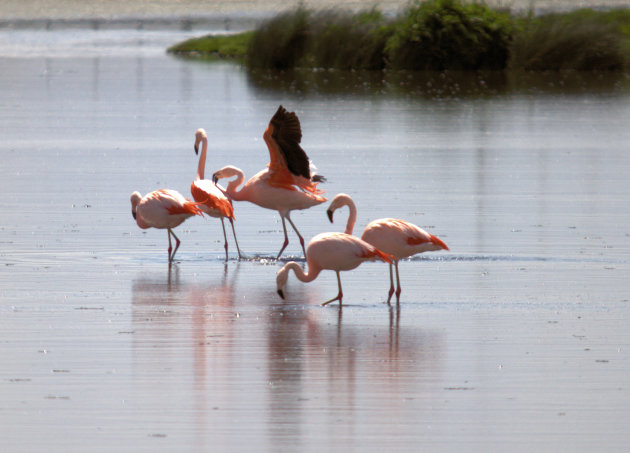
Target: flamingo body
[(163, 209), (331, 251), (398, 238), (210, 196), (287, 183)]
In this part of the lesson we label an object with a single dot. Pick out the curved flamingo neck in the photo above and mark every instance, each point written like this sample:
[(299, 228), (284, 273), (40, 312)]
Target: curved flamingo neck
[(233, 184), (352, 216), (201, 168), (309, 276)]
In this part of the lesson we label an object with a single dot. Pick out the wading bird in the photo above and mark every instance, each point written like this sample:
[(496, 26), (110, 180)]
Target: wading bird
[(162, 209), (211, 198), (287, 183), (396, 237), (333, 251)]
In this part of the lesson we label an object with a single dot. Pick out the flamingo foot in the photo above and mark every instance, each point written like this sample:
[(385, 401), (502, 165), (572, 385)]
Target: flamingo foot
[(339, 297)]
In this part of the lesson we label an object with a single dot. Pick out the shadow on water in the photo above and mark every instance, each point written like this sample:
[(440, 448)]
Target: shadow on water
[(435, 85)]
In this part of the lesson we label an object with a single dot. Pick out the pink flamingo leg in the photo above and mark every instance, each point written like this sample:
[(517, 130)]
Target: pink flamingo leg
[(177, 242), (398, 288), (225, 237), (339, 296), (286, 238), (391, 283), (298, 233), (234, 233), (170, 247)]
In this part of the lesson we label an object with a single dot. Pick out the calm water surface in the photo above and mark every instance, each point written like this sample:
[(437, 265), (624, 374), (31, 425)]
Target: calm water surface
[(516, 340)]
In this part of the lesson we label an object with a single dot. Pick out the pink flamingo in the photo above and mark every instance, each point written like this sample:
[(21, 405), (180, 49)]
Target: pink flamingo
[(161, 209), (287, 183), (396, 237), (333, 251), (211, 197)]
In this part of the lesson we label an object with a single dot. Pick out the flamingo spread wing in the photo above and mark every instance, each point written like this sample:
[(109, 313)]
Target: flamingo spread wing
[(289, 165)]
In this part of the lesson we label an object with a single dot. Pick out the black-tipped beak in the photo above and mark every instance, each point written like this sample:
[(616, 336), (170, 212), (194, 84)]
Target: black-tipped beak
[(215, 179), (330, 215), (133, 213), (281, 294), (196, 148)]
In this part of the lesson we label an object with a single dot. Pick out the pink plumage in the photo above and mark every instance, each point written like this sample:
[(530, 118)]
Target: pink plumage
[(396, 237), (163, 209), (210, 196), (286, 184)]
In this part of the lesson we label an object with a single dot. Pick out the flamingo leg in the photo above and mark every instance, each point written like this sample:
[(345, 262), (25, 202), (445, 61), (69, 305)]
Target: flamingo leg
[(225, 237), (398, 288), (234, 233), (177, 242), (339, 296), (170, 247), (391, 283), (286, 237), (298, 233)]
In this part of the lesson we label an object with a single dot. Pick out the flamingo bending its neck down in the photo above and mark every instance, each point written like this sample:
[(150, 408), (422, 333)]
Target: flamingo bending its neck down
[(396, 237), (211, 197), (287, 183), (163, 209), (333, 251)]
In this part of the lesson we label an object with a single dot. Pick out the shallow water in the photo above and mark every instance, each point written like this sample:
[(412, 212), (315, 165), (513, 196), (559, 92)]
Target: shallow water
[(517, 339)]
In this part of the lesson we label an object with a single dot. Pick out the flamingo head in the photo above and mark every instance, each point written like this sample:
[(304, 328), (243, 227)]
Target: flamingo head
[(135, 199), (200, 136), (339, 201), (281, 280)]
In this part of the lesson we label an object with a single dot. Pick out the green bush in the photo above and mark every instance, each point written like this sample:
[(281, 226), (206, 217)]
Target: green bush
[(447, 34), (583, 40)]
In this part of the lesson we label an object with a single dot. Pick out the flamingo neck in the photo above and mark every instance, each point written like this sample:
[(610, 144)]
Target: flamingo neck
[(233, 184), (201, 168), (352, 217), (309, 276)]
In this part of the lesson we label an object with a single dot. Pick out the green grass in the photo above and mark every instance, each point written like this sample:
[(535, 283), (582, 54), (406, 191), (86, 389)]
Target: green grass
[(215, 47)]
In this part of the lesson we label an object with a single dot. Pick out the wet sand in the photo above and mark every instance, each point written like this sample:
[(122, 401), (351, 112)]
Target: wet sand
[(516, 340)]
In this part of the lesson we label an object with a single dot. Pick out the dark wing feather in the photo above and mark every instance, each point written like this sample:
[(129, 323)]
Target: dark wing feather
[(288, 134)]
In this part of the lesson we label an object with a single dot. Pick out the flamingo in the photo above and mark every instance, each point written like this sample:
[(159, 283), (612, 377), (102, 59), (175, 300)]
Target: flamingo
[(396, 237), (333, 251), (211, 197), (287, 183), (164, 208)]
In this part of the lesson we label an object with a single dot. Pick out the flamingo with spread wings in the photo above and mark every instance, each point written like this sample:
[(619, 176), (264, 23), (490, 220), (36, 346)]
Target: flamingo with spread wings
[(287, 183), (211, 197), (396, 237), (163, 209), (333, 251)]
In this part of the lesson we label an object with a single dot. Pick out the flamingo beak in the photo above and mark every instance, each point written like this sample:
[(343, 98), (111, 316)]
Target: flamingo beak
[(196, 148), (330, 215), (281, 294), (133, 213), (214, 178)]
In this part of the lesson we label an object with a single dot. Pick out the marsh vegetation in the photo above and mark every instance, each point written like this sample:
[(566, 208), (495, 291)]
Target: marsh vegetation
[(427, 35)]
